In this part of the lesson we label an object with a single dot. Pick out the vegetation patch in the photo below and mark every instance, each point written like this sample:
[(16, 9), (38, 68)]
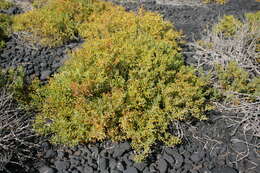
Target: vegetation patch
[(231, 51), (216, 1), (128, 81), (4, 5), (5, 25), (56, 22), (15, 123)]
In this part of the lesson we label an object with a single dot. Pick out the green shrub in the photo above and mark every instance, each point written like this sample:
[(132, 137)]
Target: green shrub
[(5, 4), (254, 21), (56, 22), (215, 1), (14, 81), (5, 24), (234, 80), (228, 26), (232, 77), (127, 82)]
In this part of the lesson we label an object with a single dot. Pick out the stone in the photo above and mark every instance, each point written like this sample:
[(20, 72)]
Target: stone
[(152, 168), (177, 157), (80, 169), (75, 171), (62, 165), (103, 163), (146, 170), (204, 170), (46, 169), (75, 162), (193, 171), (239, 146), (88, 169), (50, 154), (45, 75), (46, 146), (187, 166), (131, 170), (112, 163), (61, 154), (13, 10), (121, 149), (162, 166), (120, 166), (224, 170), (140, 166), (195, 157), (115, 171), (168, 158)]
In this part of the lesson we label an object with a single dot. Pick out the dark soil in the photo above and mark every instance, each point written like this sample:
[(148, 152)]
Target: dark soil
[(209, 147)]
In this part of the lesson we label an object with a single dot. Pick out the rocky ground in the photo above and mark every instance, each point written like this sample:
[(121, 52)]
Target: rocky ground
[(215, 146)]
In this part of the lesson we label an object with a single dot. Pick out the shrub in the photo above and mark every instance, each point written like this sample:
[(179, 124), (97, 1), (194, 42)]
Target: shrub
[(128, 82), (16, 137), (254, 22), (234, 61), (216, 1), (234, 78), (232, 41), (227, 26), (5, 4), (5, 24), (56, 22), (15, 80)]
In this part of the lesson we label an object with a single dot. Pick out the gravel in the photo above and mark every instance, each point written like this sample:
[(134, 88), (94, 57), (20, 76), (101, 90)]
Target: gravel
[(208, 147)]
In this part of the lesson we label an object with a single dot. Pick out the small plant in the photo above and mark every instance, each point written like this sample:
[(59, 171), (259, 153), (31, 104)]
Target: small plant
[(57, 21), (234, 78), (227, 26), (232, 40), (5, 24), (232, 53), (16, 137), (5, 4), (127, 82), (215, 1)]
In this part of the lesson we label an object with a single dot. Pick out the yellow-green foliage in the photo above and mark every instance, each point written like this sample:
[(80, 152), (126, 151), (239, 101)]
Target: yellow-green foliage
[(56, 22), (215, 1), (5, 23), (115, 20), (40, 3), (228, 26), (13, 81), (5, 4), (234, 78), (254, 21), (128, 81)]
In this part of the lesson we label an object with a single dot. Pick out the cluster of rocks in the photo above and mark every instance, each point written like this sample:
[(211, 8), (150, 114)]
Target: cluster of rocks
[(37, 61), (209, 148)]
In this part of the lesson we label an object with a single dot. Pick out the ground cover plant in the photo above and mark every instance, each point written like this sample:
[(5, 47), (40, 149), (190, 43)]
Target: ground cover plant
[(55, 22), (231, 53), (5, 22), (216, 1), (4, 4), (16, 135), (128, 81)]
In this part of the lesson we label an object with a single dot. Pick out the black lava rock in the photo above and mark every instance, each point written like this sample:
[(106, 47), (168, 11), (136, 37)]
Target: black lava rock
[(47, 169), (162, 166), (224, 170), (121, 149), (62, 165), (131, 170)]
